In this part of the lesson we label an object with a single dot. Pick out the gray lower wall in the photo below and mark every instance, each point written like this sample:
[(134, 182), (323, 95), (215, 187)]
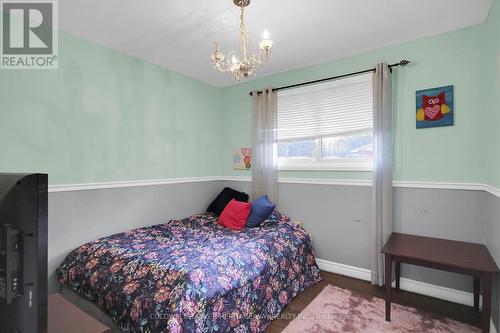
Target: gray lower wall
[(338, 218), (78, 217), (450, 214), (492, 232)]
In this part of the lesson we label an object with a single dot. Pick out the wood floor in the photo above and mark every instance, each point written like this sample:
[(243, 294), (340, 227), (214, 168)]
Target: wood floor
[(452, 310)]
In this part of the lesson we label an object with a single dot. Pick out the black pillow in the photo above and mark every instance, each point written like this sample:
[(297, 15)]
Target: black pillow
[(226, 195)]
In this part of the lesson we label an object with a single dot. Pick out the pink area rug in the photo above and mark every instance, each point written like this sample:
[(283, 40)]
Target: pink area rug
[(340, 310)]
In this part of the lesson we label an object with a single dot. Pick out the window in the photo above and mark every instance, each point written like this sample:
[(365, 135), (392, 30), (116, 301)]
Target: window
[(327, 126)]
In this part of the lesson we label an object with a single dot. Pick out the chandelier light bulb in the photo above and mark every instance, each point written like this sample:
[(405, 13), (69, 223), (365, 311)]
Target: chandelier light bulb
[(216, 56), (266, 44), (266, 34)]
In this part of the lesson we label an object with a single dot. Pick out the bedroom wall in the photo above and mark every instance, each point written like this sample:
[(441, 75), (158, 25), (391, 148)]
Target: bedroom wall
[(491, 85), (492, 232), (105, 116), (451, 58)]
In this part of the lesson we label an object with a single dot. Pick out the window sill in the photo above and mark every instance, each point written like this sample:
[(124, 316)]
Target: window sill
[(361, 168)]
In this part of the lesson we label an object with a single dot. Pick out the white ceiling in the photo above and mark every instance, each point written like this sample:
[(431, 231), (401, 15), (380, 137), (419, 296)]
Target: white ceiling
[(179, 35)]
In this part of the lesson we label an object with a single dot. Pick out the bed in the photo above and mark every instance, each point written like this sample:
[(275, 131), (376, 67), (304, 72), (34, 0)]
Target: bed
[(193, 275)]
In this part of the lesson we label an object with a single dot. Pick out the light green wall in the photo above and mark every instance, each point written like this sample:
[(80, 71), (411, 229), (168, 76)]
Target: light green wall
[(447, 154), (491, 85), (104, 116)]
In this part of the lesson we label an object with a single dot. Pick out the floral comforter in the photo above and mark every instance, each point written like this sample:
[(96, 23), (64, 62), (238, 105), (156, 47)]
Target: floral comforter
[(194, 275)]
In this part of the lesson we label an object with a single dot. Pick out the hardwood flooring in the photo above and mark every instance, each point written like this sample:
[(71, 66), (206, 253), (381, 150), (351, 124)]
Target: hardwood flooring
[(452, 310)]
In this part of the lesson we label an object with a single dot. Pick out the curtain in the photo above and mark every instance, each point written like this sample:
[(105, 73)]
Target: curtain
[(382, 201), (264, 154)]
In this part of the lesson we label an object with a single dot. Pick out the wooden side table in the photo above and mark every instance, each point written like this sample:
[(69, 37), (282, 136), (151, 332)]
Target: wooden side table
[(65, 317), (459, 257)]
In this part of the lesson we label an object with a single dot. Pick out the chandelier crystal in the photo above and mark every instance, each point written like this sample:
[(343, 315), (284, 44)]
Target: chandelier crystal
[(245, 65)]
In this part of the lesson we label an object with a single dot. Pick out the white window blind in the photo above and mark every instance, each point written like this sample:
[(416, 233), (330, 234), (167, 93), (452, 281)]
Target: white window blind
[(327, 109)]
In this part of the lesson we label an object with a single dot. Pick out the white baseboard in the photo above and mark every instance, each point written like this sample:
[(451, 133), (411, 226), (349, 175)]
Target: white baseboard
[(350, 271), (492, 327), (448, 294), (418, 287)]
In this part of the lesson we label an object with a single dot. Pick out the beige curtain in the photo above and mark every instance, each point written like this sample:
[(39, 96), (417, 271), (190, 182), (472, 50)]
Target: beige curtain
[(382, 201), (264, 154)]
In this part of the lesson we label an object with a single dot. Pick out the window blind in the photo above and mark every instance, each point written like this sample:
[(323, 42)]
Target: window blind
[(326, 109)]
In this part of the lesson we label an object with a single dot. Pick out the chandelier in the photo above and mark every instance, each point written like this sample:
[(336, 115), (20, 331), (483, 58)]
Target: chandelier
[(245, 65)]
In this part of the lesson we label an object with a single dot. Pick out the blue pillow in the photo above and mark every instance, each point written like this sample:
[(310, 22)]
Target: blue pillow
[(262, 208)]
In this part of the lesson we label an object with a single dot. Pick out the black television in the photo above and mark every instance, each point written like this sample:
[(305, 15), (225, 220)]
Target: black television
[(23, 253)]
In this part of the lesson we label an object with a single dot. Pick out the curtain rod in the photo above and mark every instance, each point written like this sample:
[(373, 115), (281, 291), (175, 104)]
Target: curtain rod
[(402, 63)]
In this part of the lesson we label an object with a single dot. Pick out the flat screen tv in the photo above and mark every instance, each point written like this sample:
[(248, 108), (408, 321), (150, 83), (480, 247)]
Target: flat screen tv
[(23, 253)]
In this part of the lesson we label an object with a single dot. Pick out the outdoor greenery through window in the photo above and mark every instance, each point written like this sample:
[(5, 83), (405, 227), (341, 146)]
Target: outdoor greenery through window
[(327, 126)]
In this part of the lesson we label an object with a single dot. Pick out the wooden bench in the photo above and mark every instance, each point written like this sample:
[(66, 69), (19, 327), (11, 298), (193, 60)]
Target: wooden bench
[(459, 257)]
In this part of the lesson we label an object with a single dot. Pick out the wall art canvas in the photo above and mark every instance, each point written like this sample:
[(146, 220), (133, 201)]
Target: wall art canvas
[(242, 159), (435, 107)]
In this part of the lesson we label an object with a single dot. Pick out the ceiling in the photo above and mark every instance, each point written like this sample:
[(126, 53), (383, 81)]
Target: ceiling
[(179, 35)]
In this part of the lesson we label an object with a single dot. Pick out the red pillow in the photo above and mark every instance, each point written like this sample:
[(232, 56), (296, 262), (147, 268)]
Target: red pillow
[(235, 215)]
